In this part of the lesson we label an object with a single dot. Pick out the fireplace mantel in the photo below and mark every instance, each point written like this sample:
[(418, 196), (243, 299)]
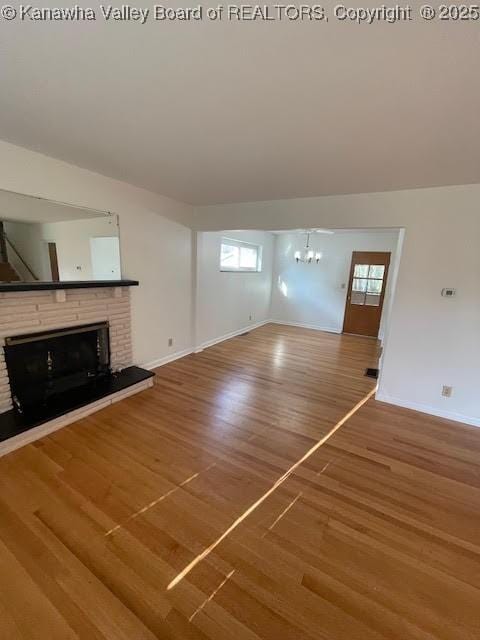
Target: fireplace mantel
[(67, 284)]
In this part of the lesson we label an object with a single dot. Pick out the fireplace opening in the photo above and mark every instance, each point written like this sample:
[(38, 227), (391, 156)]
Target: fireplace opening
[(44, 368)]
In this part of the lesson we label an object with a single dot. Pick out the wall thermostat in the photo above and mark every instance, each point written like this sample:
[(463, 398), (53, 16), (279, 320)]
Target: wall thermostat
[(448, 292)]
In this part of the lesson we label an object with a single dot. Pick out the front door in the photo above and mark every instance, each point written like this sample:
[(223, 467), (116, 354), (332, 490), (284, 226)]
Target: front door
[(366, 292)]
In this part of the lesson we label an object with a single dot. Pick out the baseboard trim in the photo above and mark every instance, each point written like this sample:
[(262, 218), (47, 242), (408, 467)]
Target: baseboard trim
[(232, 334), (27, 437), (432, 411), (305, 325), (159, 362), (153, 364)]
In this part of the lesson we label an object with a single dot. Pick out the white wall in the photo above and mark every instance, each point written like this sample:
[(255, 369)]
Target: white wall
[(431, 340), (225, 300), (156, 243), (312, 294)]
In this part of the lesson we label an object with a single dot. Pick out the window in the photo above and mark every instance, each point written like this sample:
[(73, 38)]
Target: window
[(240, 256), (368, 284)]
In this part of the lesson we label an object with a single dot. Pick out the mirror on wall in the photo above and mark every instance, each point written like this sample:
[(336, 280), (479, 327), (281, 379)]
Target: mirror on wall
[(46, 241)]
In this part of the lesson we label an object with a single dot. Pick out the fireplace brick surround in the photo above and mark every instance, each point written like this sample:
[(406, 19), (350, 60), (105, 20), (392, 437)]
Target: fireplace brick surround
[(24, 312)]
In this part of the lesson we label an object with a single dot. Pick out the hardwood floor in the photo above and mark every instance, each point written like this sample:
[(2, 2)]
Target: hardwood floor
[(375, 536)]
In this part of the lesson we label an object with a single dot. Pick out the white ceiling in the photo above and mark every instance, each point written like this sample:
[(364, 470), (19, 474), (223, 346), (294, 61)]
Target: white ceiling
[(209, 112)]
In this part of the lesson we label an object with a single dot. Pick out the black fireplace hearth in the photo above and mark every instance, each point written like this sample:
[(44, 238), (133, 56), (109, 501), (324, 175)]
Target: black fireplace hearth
[(45, 367), (51, 379), (13, 423), (57, 372)]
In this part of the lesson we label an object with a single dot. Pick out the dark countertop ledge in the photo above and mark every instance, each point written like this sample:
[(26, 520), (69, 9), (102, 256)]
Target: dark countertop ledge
[(67, 284)]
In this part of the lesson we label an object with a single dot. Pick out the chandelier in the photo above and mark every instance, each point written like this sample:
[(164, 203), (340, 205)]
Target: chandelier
[(308, 255)]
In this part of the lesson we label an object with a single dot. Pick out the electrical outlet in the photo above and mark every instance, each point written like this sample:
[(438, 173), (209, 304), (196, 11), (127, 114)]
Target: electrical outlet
[(447, 391), (448, 292), (170, 342)]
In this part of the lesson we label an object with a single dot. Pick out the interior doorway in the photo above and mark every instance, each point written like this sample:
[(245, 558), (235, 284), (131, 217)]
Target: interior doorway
[(53, 258), (105, 254), (366, 292)]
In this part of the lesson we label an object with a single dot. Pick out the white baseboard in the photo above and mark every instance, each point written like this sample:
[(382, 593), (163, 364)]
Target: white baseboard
[(232, 334), (425, 408), (153, 364), (58, 423), (305, 325)]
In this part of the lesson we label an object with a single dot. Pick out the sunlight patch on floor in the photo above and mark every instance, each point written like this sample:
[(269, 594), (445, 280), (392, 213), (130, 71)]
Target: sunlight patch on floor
[(268, 493)]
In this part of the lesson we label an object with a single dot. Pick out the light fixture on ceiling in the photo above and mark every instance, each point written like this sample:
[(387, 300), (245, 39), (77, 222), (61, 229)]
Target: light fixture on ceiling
[(308, 255)]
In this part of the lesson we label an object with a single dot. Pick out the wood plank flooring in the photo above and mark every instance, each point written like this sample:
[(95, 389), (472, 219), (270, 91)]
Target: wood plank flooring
[(375, 536)]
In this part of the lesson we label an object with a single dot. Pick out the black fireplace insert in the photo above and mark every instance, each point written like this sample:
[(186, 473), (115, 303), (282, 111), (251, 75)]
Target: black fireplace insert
[(44, 367)]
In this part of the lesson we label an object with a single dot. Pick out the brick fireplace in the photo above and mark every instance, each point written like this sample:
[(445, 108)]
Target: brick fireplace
[(40, 309), (24, 312)]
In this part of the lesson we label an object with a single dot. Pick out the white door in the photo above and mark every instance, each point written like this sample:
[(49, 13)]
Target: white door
[(105, 252)]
